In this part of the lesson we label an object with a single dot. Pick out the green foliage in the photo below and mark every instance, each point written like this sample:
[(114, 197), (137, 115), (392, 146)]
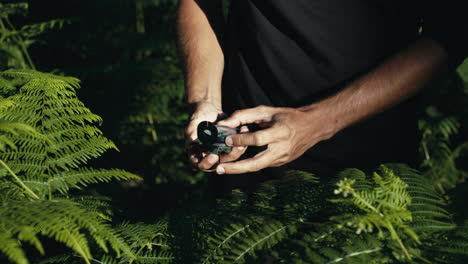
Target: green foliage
[(391, 215), (130, 57), (48, 135), (50, 104), (450, 247), (444, 128), (439, 157), (149, 242), (384, 202), (62, 220), (463, 70), (394, 215), (244, 225), (14, 42)]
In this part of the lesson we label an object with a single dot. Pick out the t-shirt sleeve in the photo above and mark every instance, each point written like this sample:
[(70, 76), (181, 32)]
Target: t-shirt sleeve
[(446, 22)]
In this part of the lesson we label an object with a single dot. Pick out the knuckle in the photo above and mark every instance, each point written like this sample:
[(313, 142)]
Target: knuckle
[(204, 166), (258, 139), (237, 140), (262, 108), (283, 130), (237, 113), (280, 117)]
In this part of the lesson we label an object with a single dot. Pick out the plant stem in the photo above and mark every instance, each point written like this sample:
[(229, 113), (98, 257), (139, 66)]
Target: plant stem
[(357, 196), (29, 191), (2, 25), (137, 253), (397, 238), (22, 45), (50, 191)]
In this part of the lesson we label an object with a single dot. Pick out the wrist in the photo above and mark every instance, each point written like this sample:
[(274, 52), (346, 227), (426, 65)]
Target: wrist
[(199, 96), (205, 105), (321, 116)]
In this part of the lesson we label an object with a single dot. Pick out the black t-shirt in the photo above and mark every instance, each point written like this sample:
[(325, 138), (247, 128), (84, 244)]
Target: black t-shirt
[(295, 52)]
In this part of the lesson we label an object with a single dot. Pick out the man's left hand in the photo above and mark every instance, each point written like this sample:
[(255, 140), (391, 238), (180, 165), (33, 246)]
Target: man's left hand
[(288, 132)]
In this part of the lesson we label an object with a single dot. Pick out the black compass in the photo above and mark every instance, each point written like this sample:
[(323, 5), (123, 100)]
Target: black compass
[(212, 137)]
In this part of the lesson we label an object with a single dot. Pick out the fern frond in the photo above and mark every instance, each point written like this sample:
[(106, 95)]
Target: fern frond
[(5, 86), (271, 234), (323, 245), (139, 234), (21, 77), (13, 9), (42, 217), (47, 160), (95, 203), (427, 206), (288, 198), (12, 249), (152, 257), (61, 259), (49, 103), (237, 242), (385, 206), (148, 242), (449, 247), (220, 240), (439, 157), (38, 28)]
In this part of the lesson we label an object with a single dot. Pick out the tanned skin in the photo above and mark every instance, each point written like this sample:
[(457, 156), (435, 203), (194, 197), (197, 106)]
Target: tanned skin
[(290, 132)]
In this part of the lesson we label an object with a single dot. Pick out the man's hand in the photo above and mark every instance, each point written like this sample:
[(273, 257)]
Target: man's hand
[(288, 132), (206, 111)]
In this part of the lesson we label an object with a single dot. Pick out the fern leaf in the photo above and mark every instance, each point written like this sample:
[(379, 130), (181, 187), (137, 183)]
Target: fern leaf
[(49, 103), (221, 240), (41, 216), (11, 248), (21, 77), (38, 28), (261, 236), (85, 176)]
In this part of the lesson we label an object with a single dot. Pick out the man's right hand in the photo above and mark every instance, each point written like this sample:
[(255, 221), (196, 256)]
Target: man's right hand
[(207, 111)]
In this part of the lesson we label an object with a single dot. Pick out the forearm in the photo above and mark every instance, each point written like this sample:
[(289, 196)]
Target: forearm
[(203, 58), (392, 82)]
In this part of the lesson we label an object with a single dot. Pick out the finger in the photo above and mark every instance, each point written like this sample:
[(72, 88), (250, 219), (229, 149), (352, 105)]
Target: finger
[(235, 154), (259, 138), (209, 161), (248, 116), (191, 130), (244, 129), (260, 161), (194, 159)]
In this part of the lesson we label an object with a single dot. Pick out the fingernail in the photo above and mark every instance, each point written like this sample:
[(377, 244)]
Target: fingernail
[(244, 129), (240, 148), (212, 158), (220, 170), (229, 141)]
